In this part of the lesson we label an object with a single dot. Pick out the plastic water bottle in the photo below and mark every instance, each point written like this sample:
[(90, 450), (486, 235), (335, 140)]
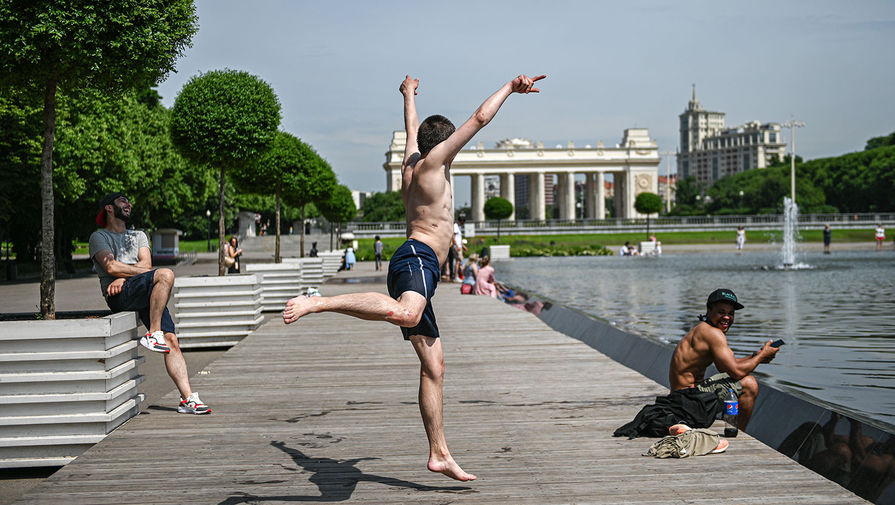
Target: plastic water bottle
[(731, 409)]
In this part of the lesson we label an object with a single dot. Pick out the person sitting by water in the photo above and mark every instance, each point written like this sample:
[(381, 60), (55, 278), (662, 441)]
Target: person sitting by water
[(484, 279), (705, 344), (470, 270)]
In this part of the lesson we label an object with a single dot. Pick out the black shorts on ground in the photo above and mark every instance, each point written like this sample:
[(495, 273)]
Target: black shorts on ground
[(134, 295), (414, 267)]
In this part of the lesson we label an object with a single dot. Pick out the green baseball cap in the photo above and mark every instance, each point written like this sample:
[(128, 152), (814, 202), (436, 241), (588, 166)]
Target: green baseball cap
[(724, 295)]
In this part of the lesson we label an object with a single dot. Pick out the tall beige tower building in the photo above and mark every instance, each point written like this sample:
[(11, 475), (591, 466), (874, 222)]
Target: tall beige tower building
[(710, 150)]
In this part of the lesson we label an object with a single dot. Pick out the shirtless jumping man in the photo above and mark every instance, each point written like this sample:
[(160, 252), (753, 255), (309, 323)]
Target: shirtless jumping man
[(415, 268), (705, 344)]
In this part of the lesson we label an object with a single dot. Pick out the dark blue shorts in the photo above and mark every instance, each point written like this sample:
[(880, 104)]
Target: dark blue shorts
[(135, 295), (414, 267)]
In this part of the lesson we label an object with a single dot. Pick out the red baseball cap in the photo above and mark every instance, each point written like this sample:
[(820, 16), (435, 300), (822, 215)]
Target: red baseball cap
[(106, 200)]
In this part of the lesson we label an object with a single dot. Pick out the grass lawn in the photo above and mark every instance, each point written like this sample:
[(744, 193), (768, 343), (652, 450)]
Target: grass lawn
[(572, 242)]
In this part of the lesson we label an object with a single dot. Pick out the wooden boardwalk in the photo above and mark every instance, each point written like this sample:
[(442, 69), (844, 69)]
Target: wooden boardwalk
[(325, 411)]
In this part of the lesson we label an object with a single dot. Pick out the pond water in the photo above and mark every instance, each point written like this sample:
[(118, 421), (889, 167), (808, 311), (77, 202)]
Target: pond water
[(836, 313)]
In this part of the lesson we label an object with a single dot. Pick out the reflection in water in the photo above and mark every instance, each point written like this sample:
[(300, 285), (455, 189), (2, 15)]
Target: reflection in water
[(838, 319), (860, 463)]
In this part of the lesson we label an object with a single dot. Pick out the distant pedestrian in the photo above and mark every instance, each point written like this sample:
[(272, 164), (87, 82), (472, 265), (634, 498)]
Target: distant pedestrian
[(377, 253), (625, 250), (828, 237), (350, 260), (741, 239), (313, 252), (232, 252), (880, 236)]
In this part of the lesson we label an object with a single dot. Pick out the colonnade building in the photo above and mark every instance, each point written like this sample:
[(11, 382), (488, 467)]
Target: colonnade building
[(710, 151), (633, 165)]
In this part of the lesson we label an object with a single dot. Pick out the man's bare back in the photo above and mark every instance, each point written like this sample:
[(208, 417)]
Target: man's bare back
[(414, 267), (425, 185)]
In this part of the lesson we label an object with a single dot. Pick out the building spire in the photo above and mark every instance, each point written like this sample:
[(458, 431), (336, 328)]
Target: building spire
[(694, 91)]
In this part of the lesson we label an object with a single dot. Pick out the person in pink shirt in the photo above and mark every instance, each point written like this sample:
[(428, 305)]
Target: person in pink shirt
[(484, 280)]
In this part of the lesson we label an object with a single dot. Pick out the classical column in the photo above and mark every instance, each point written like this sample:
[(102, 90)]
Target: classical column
[(589, 199), (477, 198), (508, 191), (600, 196), (536, 204), (566, 195), (618, 179)]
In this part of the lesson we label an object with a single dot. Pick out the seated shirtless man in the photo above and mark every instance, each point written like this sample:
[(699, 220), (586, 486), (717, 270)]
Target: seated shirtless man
[(705, 344), (415, 268)]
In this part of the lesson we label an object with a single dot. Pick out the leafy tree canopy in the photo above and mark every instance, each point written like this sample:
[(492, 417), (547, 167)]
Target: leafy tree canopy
[(648, 203), (313, 181), (888, 140), (115, 44), (498, 208), (339, 207), (225, 118), (385, 206)]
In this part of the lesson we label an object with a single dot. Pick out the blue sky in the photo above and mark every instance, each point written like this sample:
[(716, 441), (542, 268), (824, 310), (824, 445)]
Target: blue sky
[(336, 67)]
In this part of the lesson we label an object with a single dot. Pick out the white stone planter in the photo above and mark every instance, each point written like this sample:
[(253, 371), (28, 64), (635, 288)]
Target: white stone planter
[(279, 282), (332, 260), (64, 385), (311, 272), (499, 252), (216, 311)]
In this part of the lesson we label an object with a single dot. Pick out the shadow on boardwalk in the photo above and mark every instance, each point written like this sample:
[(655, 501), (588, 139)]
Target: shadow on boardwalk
[(336, 479)]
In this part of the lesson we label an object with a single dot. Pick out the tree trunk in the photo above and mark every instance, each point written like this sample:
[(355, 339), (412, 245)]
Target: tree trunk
[(276, 254), (302, 255), (647, 226), (222, 269), (498, 230), (47, 242), (332, 228)]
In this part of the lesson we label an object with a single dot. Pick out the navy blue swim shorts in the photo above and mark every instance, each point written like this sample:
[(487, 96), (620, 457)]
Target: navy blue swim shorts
[(414, 267), (135, 295)]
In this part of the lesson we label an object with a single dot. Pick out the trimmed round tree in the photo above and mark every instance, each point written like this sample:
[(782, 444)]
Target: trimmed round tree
[(648, 203), (312, 183), (338, 208), (275, 169), (225, 119), (109, 46), (498, 208)]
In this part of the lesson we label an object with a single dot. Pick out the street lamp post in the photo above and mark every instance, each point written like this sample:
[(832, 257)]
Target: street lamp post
[(792, 124), (667, 193), (741, 200), (208, 229)]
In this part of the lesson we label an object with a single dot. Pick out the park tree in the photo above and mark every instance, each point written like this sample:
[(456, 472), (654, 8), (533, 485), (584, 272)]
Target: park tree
[(648, 203), (275, 170), (312, 183), (382, 207), (498, 208), (338, 208), (110, 46), (225, 119)]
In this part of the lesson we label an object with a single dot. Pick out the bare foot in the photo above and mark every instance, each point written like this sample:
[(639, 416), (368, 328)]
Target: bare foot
[(450, 468), (297, 307)]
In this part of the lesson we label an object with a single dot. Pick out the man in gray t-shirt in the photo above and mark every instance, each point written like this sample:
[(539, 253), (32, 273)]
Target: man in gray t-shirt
[(123, 261)]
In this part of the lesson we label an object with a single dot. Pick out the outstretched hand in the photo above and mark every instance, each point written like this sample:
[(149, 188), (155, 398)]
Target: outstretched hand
[(409, 85), (525, 84)]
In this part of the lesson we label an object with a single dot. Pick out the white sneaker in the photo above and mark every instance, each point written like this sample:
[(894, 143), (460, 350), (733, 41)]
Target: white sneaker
[(193, 405), (155, 341)]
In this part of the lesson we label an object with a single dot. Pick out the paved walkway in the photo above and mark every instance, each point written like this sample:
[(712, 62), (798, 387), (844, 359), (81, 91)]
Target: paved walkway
[(325, 410)]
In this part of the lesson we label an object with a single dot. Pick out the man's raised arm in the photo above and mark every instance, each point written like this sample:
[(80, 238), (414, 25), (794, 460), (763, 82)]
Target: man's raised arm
[(447, 150), (411, 120)]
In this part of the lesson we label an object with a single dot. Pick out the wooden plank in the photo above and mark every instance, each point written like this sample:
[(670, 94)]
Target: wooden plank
[(326, 410)]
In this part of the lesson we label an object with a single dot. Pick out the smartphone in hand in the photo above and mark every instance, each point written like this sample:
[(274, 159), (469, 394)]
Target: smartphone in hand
[(777, 343)]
